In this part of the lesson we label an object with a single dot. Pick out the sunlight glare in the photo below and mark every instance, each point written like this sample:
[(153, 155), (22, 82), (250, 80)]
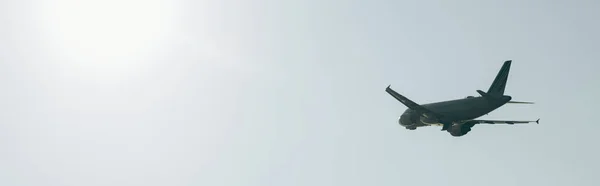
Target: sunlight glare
[(106, 39)]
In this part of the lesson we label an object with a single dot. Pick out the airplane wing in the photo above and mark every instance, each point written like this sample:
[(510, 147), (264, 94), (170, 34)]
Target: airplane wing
[(503, 122), (412, 105)]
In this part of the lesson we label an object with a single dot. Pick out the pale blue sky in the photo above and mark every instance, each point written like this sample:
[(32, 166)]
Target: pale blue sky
[(230, 92)]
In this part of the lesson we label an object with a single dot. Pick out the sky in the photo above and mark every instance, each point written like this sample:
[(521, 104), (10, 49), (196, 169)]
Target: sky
[(265, 92)]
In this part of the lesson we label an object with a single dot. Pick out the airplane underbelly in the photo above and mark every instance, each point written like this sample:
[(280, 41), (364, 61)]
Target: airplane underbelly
[(465, 113), (428, 121)]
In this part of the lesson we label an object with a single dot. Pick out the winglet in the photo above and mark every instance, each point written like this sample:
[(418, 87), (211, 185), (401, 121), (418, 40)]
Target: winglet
[(537, 121)]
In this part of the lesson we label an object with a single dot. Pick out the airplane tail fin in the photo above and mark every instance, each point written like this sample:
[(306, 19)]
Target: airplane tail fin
[(497, 87)]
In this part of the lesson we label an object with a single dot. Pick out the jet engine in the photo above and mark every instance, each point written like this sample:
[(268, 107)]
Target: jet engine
[(461, 129)]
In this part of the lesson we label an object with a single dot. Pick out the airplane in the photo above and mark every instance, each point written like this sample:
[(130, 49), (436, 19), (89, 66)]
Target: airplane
[(458, 116)]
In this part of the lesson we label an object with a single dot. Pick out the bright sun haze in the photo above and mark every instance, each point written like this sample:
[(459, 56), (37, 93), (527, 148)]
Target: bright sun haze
[(106, 39), (292, 92)]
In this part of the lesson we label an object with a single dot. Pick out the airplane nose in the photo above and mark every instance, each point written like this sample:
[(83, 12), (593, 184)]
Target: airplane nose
[(404, 120)]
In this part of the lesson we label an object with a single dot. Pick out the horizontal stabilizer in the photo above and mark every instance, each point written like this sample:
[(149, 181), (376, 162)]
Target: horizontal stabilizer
[(520, 102), (482, 93)]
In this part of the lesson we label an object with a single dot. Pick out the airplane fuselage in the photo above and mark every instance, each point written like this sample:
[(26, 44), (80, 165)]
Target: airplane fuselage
[(456, 110), (458, 116)]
